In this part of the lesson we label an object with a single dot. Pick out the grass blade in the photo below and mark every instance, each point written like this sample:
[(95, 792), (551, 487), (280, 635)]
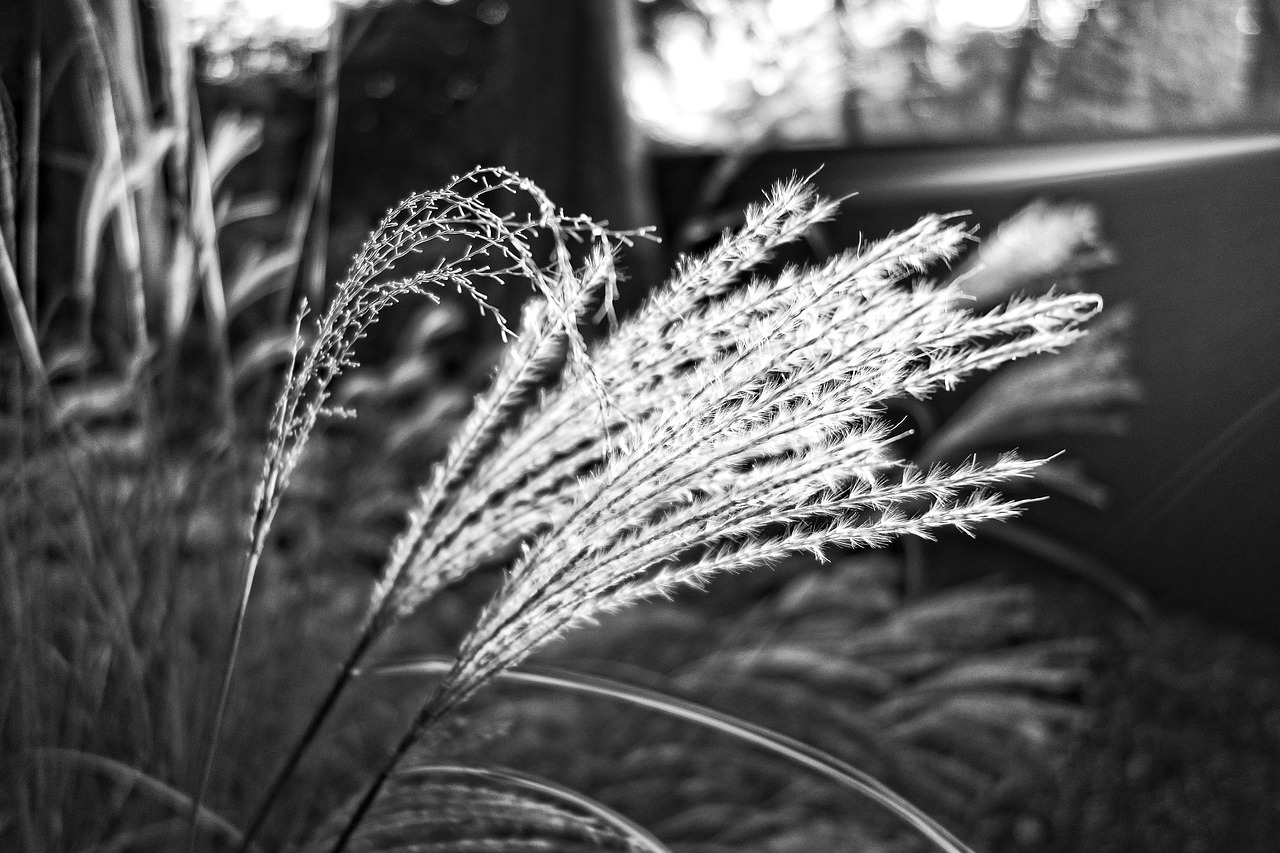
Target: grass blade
[(204, 234), (131, 778), (108, 188), (318, 246), (28, 344), (780, 745), (312, 202), (559, 797), (28, 181)]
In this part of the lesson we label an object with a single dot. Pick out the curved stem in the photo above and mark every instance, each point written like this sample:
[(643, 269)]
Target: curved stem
[(368, 634), (224, 694), (431, 711), (133, 778), (640, 838), (766, 739)]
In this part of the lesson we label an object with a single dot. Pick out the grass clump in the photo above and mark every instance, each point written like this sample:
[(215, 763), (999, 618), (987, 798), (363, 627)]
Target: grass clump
[(735, 420)]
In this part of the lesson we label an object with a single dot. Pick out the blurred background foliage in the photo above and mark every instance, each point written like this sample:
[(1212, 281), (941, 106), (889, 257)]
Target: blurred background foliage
[(330, 110), (870, 72)]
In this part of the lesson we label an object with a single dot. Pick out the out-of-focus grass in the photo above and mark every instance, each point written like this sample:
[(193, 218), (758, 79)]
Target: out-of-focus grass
[(1183, 750), (1176, 745), (117, 578), (962, 699)]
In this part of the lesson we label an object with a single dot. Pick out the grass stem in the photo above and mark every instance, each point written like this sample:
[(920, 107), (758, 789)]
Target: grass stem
[(28, 345), (368, 635), (779, 744), (28, 182), (313, 272), (435, 708), (224, 691)]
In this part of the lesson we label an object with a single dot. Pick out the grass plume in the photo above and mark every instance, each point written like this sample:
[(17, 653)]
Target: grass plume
[(752, 430)]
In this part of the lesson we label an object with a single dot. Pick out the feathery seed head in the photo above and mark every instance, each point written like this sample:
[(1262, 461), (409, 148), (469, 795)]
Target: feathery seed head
[(743, 423)]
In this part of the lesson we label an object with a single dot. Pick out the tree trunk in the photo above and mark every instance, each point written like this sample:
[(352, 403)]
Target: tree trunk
[(568, 126)]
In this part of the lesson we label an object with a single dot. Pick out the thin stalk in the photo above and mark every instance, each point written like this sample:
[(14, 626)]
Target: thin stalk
[(368, 634), (766, 739), (379, 619), (28, 344), (315, 180), (175, 87), (224, 691), (374, 626), (433, 710), (318, 245), (178, 87), (270, 489), (204, 234), (29, 176), (21, 682), (112, 151), (461, 461)]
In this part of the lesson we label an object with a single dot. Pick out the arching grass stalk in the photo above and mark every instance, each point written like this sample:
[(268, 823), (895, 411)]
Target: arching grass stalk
[(524, 365), (793, 751), (589, 811), (492, 248)]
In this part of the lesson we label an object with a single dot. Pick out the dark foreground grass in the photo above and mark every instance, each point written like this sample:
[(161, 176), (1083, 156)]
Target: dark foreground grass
[(1168, 738)]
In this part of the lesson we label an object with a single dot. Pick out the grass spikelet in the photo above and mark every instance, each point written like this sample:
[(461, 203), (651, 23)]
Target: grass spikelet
[(1082, 390), (1044, 243)]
